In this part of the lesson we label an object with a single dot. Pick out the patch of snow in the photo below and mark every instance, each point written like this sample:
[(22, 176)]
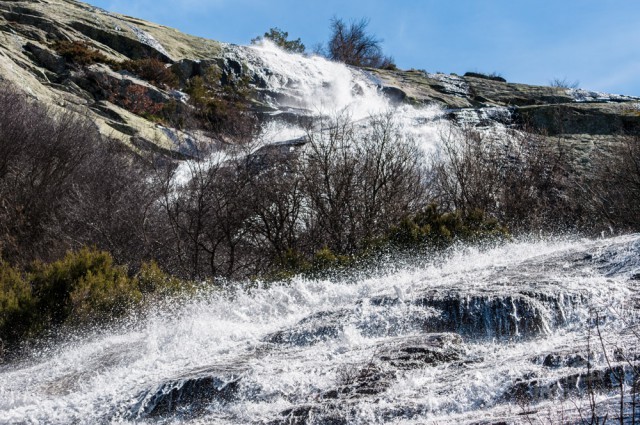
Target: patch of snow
[(146, 38), (452, 84), (143, 36), (180, 96), (581, 95), (481, 117)]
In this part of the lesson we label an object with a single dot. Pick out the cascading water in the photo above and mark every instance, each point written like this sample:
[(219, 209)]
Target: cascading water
[(502, 334), (477, 334), (314, 87)]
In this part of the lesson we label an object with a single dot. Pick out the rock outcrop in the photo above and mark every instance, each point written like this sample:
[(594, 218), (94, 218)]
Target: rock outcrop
[(189, 394), (29, 31)]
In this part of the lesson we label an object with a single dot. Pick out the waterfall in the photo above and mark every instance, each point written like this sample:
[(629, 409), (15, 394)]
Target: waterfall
[(508, 334), (474, 334), (314, 87)]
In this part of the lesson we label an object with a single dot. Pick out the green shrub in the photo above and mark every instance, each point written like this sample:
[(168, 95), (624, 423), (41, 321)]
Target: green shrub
[(430, 228), (494, 76), (281, 39), (102, 296), (440, 229), (83, 288), (84, 285), (16, 304), (152, 280), (325, 259)]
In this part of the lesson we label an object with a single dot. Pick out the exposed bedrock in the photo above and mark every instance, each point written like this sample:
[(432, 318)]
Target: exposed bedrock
[(420, 351), (190, 394), (368, 381), (473, 315), (535, 389), (311, 330), (490, 314)]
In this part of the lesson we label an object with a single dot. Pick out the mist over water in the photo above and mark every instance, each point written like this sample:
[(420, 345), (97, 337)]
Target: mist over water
[(229, 334), (446, 339), (321, 90)]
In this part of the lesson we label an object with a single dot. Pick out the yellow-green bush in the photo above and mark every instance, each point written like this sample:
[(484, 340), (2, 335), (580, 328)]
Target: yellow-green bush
[(102, 296), (16, 303), (326, 259), (83, 288), (83, 285), (440, 229), (153, 281)]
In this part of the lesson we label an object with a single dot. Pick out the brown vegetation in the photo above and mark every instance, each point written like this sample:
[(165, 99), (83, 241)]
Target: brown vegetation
[(356, 189), (80, 53), (614, 187), (152, 70), (521, 180)]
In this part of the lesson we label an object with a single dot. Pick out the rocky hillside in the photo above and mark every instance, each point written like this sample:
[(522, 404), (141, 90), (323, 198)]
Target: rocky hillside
[(71, 55)]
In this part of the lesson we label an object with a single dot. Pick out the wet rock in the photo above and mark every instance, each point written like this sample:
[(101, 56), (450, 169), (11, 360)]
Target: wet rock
[(311, 330), (592, 118), (556, 361), (298, 415), (365, 381), (619, 259), (186, 69), (312, 414), (490, 315), (188, 395), (534, 389), (393, 356), (231, 70), (393, 319), (424, 350), (394, 94)]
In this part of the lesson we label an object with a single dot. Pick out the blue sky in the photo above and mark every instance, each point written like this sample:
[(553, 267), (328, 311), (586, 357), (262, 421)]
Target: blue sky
[(595, 42)]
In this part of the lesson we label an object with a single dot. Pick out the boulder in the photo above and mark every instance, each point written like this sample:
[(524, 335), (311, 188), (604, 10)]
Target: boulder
[(420, 351), (535, 389), (188, 395), (311, 330)]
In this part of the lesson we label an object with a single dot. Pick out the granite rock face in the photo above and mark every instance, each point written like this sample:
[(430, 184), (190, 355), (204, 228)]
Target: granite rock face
[(28, 59)]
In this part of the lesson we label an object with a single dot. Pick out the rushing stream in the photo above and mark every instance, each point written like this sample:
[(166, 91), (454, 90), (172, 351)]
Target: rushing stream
[(478, 335), (516, 333)]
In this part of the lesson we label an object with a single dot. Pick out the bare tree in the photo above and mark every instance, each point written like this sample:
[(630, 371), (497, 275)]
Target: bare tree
[(42, 152), (277, 197), (360, 179), (351, 44), (466, 171), (564, 83), (519, 178), (208, 212), (613, 189), (114, 205)]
